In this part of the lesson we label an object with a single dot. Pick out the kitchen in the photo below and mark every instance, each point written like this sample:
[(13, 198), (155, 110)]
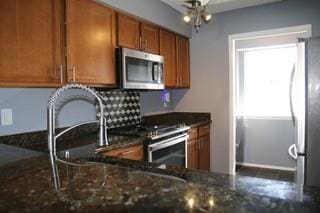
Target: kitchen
[(199, 86)]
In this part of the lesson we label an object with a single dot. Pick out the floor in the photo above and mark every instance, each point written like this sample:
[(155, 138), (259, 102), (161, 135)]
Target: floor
[(272, 174)]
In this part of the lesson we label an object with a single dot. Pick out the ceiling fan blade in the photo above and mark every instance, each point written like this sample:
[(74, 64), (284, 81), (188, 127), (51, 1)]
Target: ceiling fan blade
[(193, 3), (211, 9), (206, 3)]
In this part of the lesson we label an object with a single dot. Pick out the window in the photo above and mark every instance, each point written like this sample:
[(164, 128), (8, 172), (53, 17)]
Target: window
[(264, 80)]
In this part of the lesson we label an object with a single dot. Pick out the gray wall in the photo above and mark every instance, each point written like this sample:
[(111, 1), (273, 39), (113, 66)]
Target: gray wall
[(151, 103), (210, 65), (30, 112), (29, 108), (265, 141), (29, 105)]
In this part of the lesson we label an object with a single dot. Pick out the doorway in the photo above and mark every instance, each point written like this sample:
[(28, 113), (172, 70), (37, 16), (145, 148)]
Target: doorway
[(261, 128)]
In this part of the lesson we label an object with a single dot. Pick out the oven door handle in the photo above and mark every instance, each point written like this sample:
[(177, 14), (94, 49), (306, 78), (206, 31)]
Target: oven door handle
[(167, 143)]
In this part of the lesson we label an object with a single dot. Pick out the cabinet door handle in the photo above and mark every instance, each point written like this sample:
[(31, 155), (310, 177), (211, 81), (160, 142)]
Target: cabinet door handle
[(134, 41), (127, 152), (73, 69), (61, 73), (140, 42), (146, 44)]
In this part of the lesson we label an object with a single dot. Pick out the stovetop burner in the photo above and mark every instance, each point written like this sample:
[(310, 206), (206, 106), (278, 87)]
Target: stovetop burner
[(150, 131)]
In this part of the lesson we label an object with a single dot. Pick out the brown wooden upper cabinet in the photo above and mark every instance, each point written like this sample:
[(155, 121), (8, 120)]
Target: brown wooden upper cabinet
[(175, 50), (128, 32), (91, 40), (150, 38), (183, 62), (168, 50), (137, 35), (30, 43)]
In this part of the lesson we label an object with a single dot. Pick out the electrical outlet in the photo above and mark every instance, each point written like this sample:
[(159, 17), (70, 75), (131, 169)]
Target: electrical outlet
[(6, 117)]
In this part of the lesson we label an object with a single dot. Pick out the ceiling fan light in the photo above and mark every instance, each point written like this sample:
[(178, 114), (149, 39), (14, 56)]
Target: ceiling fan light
[(206, 17), (187, 18), (196, 12)]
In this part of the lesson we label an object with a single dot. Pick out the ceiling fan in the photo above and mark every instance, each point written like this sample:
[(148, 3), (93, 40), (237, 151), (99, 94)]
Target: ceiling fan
[(196, 10)]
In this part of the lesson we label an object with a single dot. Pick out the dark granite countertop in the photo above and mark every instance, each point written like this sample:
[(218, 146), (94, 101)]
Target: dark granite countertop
[(115, 142), (111, 184), (92, 182), (189, 118), (81, 147), (86, 134)]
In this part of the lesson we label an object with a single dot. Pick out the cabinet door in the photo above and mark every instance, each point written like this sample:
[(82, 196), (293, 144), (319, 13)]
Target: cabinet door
[(150, 38), (30, 43), (183, 62), (192, 156), (128, 32), (168, 50), (204, 152), (133, 153), (90, 43)]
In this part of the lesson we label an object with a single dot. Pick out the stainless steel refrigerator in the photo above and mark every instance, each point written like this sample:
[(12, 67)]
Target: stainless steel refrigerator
[(305, 107)]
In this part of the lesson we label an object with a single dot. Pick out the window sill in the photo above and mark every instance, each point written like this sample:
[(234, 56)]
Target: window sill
[(252, 117)]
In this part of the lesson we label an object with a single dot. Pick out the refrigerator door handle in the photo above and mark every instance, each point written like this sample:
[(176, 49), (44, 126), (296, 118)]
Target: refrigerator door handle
[(290, 95), (293, 151)]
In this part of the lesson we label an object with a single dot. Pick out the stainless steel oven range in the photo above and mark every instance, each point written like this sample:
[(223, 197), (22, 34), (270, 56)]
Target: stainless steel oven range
[(165, 144)]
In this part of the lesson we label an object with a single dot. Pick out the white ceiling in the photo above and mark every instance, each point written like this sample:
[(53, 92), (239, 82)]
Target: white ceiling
[(217, 6)]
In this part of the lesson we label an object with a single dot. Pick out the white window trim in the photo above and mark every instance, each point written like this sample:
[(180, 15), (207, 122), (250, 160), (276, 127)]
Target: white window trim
[(307, 29), (252, 117)]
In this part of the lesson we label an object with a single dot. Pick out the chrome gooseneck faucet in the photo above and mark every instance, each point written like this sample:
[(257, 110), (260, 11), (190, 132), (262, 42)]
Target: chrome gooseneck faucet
[(103, 140)]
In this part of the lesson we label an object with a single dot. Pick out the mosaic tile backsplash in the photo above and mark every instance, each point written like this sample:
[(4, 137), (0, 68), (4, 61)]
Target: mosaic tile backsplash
[(122, 108)]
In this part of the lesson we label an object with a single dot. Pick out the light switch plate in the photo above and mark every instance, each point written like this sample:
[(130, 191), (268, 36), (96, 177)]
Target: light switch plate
[(6, 117)]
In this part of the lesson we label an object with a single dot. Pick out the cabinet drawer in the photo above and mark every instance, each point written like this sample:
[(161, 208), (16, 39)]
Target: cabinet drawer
[(204, 130), (133, 153), (193, 133)]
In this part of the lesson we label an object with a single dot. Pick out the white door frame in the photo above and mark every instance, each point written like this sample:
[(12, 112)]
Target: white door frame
[(232, 73)]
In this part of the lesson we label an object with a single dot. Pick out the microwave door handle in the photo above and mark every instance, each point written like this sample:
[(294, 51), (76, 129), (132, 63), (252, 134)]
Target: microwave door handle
[(155, 72), (159, 73)]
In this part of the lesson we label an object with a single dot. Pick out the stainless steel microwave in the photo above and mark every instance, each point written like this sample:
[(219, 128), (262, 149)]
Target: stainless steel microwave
[(139, 70)]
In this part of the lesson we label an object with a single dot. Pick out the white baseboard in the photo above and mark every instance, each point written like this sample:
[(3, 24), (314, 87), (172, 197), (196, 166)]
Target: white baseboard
[(266, 166)]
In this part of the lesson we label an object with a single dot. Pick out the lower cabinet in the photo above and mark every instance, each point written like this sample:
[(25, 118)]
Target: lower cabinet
[(132, 152), (204, 152), (198, 156), (192, 156), (199, 148)]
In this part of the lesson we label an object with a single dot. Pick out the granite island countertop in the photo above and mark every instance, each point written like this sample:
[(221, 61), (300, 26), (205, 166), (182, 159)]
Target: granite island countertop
[(105, 184), (102, 183)]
